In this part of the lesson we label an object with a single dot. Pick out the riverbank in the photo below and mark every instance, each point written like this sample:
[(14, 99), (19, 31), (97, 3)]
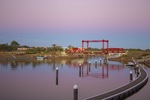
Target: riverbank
[(23, 56), (147, 63), (136, 54)]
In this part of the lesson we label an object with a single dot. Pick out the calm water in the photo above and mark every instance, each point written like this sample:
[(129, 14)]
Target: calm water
[(20, 80), (143, 94)]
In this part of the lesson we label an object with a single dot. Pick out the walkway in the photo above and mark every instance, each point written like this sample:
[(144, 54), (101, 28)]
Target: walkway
[(125, 91)]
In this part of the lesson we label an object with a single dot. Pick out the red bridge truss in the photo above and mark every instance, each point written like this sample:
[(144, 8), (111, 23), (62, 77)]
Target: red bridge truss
[(103, 44)]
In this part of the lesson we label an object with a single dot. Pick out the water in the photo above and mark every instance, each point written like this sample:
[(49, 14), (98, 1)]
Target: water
[(143, 94), (37, 80)]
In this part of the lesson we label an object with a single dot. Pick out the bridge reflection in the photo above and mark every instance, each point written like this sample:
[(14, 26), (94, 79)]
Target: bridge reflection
[(94, 69), (88, 70)]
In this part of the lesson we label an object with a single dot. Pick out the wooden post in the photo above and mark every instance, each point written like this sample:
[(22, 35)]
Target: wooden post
[(137, 72), (131, 76), (100, 62), (75, 92), (89, 67), (96, 64), (80, 70), (56, 75)]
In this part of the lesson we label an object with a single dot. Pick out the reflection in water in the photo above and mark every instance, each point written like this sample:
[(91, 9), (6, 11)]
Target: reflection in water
[(94, 72), (31, 78), (86, 65), (14, 65), (70, 63), (97, 70), (100, 62), (89, 65)]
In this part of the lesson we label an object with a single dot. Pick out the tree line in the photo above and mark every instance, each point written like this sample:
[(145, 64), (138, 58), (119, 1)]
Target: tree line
[(31, 50), (35, 50), (12, 47)]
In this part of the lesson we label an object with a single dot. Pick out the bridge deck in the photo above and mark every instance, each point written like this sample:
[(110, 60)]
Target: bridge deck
[(121, 89)]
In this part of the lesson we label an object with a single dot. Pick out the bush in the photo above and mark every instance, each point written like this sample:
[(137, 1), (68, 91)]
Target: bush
[(5, 47), (44, 50)]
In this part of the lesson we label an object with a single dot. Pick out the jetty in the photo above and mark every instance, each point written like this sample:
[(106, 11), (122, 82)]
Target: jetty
[(126, 90)]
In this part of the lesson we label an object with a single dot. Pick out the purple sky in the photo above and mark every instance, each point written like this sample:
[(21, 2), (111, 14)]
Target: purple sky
[(44, 22)]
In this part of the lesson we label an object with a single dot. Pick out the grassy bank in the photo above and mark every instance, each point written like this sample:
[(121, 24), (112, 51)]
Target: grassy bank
[(25, 56), (135, 53)]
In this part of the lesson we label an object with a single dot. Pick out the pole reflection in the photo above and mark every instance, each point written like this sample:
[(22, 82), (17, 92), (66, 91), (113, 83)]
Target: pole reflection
[(94, 67), (101, 71), (94, 72)]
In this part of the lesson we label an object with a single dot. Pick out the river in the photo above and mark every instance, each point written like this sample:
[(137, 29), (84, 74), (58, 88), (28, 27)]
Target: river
[(37, 80)]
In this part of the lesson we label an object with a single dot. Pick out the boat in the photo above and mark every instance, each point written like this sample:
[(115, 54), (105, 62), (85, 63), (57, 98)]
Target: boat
[(130, 64), (40, 57)]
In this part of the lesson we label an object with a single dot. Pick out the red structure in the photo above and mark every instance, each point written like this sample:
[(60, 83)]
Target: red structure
[(74, 50), (105, 49), (103, 44), (88, 73), (115, 50)]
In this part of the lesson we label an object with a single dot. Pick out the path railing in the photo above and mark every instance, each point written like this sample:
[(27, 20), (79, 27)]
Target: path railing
[(126, 90)]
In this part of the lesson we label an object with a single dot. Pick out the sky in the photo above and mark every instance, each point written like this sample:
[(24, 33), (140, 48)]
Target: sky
[(125, 23)]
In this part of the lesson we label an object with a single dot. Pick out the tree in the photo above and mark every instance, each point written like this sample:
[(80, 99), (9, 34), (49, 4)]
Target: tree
[(53, 45), (70, 46), (5, 47), (14, 44)]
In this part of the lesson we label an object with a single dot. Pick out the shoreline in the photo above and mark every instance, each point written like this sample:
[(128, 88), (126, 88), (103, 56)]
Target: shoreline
[(8, 56), (33, 57)]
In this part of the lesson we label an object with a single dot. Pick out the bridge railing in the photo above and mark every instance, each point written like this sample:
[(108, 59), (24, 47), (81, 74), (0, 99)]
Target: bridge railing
[(129, 88), (129, 91)]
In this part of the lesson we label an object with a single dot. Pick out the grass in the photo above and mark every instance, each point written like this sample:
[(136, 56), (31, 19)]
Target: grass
[(136, 54)]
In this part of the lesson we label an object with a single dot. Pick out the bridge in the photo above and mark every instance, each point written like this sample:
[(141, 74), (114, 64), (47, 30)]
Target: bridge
[(126, 90)]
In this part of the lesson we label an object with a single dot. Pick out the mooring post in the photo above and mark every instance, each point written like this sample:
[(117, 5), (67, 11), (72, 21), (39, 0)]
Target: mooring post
[(96, 64), (75, 92), (87, 70), (135, 71), (89, 63), (89, 66), (131, 76), (100, 62), (105, 60), (137, 68), (56, 75), (79, 70)]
